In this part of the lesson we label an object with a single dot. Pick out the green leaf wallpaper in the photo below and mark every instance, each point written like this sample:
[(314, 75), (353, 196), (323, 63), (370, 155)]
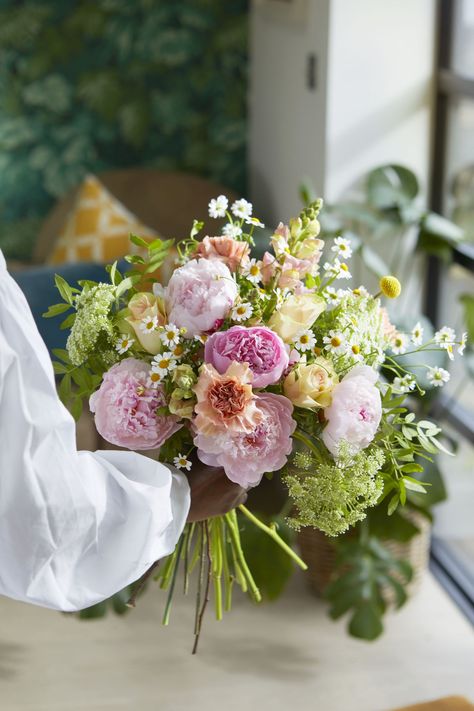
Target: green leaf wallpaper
[(88, 85)]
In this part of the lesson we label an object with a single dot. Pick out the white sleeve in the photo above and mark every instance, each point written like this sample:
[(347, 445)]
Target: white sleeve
[(75, 527)]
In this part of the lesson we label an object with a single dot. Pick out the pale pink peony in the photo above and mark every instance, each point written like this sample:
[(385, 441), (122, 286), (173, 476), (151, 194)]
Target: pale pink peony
[(355, 411), (232, 252), (199, 296), (258, 346), (225, 401), (125, 408), (247, 456)]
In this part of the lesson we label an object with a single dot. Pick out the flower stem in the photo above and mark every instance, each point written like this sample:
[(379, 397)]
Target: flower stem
[(169, 600), (231, 519), (274, 536), (141, 584), (207, 548)]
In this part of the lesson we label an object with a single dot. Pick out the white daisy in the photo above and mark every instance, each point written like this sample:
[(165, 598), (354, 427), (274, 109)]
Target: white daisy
[(437, 376), (417, 334), (242, 208), (335, 342), (445, 337), (154, 379), (218, 206), (124, 343), (252, 271), (332, 296), (405, 383), (400, 343), (254, 221), (170, 335), (462, 344), (231, 230), (163, 363), (181, 462), (354, 350), (242, 311), (178, 350), (304, 340), (149, 323), (361, 291), (337, 270), (342, 247), (202, 338)]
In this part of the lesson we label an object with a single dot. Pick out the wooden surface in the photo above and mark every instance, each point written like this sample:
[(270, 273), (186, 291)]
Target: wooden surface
[(450, 703), (167, 202), (282, 656)]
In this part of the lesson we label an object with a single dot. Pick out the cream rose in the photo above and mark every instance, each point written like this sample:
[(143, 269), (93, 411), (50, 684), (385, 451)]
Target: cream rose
[(146, 305), (310, 386), (297, 313)]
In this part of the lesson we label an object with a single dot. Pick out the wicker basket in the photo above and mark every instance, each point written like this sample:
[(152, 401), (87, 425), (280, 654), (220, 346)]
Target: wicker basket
[(318, 552)]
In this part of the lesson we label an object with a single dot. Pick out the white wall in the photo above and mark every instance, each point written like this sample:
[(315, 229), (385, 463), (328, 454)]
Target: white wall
[(372, 103)]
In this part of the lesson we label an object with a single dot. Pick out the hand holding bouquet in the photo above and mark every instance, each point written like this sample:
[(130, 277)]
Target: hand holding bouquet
[(256, 366)]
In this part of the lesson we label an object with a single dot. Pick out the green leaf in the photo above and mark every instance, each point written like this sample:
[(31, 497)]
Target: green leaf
[(60, 368), (64, 289), (196, 228), (414, 485), (393, 503), (366, 622), (55, 310), (62, 354), (391, 186), (94, 612), (138, 241), (412, 468), (126, 284), (76, 408), (434, 225), (64, 389), (68, 322)]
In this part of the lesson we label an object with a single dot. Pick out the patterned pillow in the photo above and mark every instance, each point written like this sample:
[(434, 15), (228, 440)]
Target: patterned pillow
[(98, 228)]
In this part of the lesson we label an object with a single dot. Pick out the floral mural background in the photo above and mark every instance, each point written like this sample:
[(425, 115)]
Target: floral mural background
[(90, 85)]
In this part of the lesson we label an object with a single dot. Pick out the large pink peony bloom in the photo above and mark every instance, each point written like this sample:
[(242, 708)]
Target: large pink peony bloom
[(125, 408), (228, 250), (258, 346), (355, 412), (246, 456), (199, 296)]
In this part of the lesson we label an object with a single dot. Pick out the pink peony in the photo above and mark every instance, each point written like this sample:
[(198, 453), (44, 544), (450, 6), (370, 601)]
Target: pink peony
[(355, 412), (246, 456), (231, 252), (199, 295), (125, 408), (258, 346)]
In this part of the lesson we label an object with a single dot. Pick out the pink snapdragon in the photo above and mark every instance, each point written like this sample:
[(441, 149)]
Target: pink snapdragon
[(125, 408)]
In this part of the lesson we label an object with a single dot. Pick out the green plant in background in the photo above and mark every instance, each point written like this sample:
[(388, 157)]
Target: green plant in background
[(87, 86), (386, 218)]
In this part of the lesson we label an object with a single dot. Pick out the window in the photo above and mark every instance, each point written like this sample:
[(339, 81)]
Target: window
[(452, 194)]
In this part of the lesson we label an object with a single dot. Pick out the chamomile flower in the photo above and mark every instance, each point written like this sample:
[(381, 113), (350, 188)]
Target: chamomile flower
[(163, 363), (154, 379), (181, 462), (170, 335), (337, 270), (178, 350), (445, 337), (254, 221), (124, 343), (400, 343), (242, 209), (437, 376), (252, 270), (242, 311), (305, 340), (218, 206), (335, 342), (149, 323), (355, 350), (231, 230), (404, 384), (342, 247), (417, 334), (361, 291), (462, 344), (332, 296), (202, 338)]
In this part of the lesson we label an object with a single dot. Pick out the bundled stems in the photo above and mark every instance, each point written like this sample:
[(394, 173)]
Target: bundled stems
[(205, 555), (141, 584), (271, 531)]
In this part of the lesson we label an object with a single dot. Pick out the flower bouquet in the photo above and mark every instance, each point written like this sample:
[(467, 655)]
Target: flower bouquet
[(256, 366)]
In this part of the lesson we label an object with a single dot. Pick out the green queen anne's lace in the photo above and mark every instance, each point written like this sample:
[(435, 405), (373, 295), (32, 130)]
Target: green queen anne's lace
[(337, 494), (92, 324)]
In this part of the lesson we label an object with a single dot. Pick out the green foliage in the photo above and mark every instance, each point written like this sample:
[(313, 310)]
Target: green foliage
[(117, 603), (271, 566), (89, 86), (365, 569)]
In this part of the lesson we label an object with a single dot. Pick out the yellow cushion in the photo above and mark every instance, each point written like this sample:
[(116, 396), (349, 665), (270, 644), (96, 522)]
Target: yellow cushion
[(98, 228)]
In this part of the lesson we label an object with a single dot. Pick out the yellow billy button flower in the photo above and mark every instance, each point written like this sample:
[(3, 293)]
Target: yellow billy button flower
[(390, 287)]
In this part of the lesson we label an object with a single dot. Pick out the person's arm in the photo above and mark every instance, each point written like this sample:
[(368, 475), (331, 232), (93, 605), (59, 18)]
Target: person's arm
[(75, 527)]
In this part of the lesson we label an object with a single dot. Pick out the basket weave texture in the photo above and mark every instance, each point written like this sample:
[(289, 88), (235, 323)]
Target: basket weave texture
[(319, 553)]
